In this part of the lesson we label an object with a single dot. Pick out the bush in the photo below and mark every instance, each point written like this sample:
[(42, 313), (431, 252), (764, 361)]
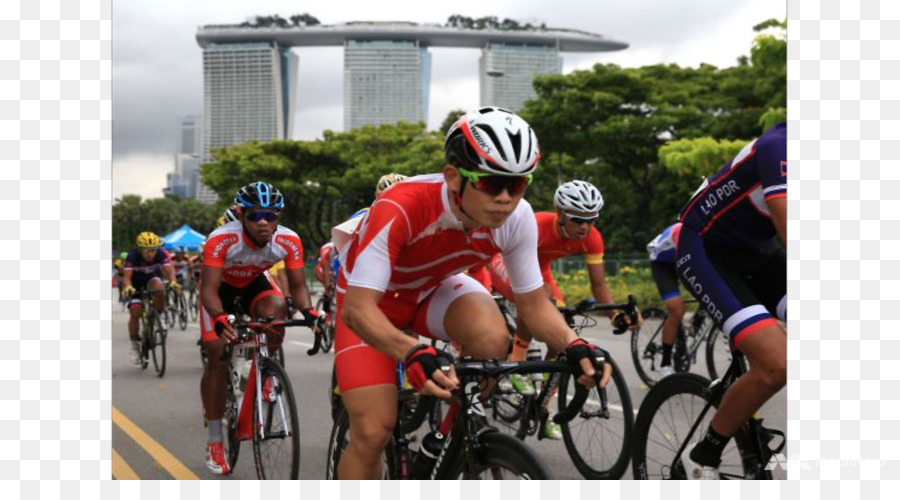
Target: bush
[(576, 286)]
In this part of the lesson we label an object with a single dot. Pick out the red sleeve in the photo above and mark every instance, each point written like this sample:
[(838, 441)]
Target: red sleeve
[(216, 247), (291, 243)]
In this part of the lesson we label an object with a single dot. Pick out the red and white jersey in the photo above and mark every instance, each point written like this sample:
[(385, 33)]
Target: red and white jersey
[(229, 248), (410, 241)]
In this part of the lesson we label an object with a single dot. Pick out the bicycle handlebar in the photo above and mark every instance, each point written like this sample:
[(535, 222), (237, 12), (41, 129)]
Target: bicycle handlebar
[(248, 329), (468, 367)]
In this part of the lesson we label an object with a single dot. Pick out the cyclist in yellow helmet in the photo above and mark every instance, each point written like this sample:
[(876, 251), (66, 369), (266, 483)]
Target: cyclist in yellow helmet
[(144, 268)]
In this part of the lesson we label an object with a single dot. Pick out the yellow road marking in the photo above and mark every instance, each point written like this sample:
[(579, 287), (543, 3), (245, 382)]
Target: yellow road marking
[(120, 468), (168, 461)]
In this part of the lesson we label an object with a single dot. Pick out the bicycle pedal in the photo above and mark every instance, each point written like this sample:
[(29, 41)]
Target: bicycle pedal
[(769, 434)]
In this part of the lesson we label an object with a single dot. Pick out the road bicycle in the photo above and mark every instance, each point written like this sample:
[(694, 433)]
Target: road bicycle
[(676, 412), (176, 309), (465, 446), (599, 441), (700, 332), (260, 405), (153, 335), (326, 307)]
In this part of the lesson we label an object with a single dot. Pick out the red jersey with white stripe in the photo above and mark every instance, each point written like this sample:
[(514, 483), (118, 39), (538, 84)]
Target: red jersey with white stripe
[(242, 260), (410, 241)]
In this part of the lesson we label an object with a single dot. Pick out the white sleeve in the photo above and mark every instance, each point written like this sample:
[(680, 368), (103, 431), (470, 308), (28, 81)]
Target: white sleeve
[(518, 241)]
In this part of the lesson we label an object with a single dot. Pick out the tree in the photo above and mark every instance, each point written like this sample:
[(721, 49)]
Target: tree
[(325, 181), (131, 215), (452, 116), (607, 126)]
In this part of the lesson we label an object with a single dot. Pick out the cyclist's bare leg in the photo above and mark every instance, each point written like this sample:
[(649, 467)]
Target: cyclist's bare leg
[(520, 343), (373, 414), (675, 310), (474, 321), (134, 318), (766, 352), (159, 295), (213, 384)]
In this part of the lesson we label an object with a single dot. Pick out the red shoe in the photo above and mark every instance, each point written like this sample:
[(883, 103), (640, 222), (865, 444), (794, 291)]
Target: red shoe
[(215, 459), (268, 390)]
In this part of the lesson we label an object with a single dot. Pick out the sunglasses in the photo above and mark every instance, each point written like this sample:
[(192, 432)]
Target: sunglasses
[(493, 185), (582, 220), (258, 216), (147, 249)]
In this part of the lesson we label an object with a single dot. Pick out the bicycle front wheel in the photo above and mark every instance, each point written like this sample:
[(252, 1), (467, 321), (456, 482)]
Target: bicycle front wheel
[(276, 441), (599, 438), (664, 422), (158, 345), (193, 305), (497, 456), (646, 345), (182, 312)]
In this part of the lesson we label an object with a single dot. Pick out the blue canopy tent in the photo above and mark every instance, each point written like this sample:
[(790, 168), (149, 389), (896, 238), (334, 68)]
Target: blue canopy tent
[(184, 236)]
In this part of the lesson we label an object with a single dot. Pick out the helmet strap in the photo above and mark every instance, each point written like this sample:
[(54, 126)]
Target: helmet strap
[(458, 196), (562, 227)]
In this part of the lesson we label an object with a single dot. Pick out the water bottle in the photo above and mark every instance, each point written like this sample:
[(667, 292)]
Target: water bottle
[(236, 368), (534, 354), (427, 456), (245, 373)]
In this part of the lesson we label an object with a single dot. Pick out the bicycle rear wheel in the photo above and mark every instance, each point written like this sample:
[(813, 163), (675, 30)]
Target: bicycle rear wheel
[(276, 445), (664, 423), (718, 353), (599, 442), (158, 345)]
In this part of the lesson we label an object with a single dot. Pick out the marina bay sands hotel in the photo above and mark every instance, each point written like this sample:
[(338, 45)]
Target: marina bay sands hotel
[(249, 73)]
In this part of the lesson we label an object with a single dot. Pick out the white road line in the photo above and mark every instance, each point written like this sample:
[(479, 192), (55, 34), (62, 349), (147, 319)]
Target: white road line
[(304, 344)]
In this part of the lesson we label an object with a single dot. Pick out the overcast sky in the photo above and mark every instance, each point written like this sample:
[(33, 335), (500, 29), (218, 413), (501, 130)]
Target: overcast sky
[(157, 64)]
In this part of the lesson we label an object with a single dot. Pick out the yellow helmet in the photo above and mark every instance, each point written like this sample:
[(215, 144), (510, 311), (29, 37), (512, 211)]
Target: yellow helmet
[(387, 181), (148, 239)]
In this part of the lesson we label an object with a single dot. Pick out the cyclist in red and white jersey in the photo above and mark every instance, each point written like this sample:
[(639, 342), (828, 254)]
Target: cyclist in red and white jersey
[(403, 270), (568, 231), (236, 258)]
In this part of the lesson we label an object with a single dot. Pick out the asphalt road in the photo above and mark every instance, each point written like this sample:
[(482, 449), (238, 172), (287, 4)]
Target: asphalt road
[(158, 430)]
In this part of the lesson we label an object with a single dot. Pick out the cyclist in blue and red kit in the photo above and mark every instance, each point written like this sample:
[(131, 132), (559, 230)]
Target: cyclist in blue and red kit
[(729, 259)]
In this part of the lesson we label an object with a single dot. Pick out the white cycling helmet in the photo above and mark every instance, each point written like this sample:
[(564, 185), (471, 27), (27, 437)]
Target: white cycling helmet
[(578, 196), (494, 140)]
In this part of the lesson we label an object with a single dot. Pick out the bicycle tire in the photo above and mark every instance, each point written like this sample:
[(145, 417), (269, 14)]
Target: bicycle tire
[(716, 344), (193, 306), (676, 387), (327, 336), (337, 443), (646, 342), (275, 429), (145, 342), (230, 425), (169, 310), (619, 433), (494, 451), (182, 312), (158, 346)]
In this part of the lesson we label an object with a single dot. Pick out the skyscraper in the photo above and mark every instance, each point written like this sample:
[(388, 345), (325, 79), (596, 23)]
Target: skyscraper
[(385, 82), (247, 91), (507, 72)]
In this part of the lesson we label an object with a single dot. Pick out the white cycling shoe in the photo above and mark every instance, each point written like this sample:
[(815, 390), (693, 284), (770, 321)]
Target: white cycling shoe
[(665, 371), (695, 471)]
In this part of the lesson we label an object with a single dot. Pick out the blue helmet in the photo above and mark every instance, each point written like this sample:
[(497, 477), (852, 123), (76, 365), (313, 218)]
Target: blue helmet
[(259, 195)]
